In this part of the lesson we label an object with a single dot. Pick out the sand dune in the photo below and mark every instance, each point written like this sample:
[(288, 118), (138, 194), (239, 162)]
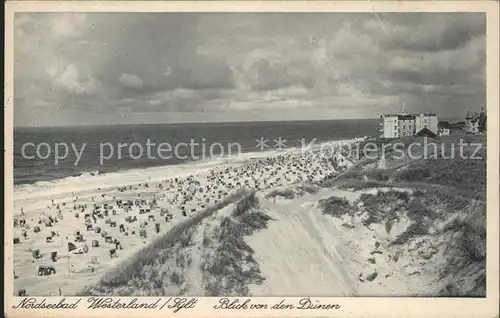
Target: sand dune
[(100, 201), (262, 227)]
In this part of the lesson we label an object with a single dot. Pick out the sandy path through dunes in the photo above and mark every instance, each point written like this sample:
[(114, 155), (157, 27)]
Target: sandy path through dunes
[(302, 249)]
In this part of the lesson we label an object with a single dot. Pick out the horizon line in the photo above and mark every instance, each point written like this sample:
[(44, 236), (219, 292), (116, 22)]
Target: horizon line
[(195, 122), (203, 122)]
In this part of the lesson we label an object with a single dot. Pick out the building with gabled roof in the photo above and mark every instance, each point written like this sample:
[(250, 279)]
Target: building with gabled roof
[(403, 125)]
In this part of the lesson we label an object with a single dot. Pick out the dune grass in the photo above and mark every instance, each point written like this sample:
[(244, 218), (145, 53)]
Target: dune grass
[(231, 268), (157, 252), (465, 271), (336, 206), (465, 171), (292, 192), (462, 240)]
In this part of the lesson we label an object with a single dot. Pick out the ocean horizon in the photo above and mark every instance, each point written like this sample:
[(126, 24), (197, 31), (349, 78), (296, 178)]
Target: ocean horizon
[(245, 134)]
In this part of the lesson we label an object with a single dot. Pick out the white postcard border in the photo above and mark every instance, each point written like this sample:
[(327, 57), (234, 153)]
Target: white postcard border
[(358, 306)]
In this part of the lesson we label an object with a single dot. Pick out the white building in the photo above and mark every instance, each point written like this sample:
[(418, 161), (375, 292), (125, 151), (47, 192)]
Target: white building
[(426, 120), (389, 126), (402, 125), (444, 128), (473, 121)]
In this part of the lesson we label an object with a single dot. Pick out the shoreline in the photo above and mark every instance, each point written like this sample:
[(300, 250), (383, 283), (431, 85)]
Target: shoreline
[(289, 185), (243, 155), (84, 177), (182, 190)]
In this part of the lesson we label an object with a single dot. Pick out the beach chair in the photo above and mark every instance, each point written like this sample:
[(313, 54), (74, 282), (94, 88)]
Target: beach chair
[(71, 246), (44, 270), (78, 252), (36, 254)]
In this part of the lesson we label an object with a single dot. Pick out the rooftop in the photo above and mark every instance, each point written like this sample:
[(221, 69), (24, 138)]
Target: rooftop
[(403, 114)]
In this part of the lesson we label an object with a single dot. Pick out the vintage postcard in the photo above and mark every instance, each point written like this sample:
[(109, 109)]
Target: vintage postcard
[(251, 159)]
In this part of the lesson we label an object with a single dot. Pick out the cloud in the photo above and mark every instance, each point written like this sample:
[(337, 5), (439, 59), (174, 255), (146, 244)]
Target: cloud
[(130, 81), (67, 25), (244, 65), (68, 78), (428, 32)]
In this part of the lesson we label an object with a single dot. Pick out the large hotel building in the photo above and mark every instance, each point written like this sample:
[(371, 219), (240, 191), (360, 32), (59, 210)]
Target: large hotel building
[(401, 125)]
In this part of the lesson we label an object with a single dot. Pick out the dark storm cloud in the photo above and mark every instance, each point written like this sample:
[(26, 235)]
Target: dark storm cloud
[(236, 66), (416, 32)]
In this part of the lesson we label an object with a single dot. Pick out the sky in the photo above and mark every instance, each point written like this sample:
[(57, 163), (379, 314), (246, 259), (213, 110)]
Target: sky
[(131, 68)]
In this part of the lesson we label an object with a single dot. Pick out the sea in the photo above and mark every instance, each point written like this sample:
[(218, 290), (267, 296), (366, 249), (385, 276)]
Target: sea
[(103, 149)]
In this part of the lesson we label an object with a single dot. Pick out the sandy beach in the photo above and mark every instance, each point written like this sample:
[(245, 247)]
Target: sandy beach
[(263, 224), (108, 217)]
